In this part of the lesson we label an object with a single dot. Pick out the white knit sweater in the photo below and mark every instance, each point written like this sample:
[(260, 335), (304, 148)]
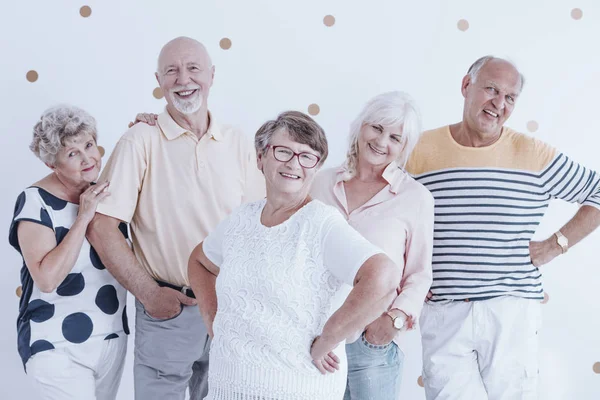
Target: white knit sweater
[(275, 290)]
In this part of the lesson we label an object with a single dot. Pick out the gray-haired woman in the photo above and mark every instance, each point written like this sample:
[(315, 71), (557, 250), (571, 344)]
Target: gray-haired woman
[(270, 279), (72, 322)]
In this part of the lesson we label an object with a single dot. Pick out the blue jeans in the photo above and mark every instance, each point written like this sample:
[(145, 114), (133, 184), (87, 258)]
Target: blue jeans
[(374, 371)]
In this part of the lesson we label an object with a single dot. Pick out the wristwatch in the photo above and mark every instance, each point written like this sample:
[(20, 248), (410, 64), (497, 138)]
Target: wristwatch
[(397, 321), (562, 241)]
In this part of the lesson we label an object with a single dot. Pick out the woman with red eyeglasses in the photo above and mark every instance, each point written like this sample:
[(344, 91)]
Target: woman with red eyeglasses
[(270, 279)]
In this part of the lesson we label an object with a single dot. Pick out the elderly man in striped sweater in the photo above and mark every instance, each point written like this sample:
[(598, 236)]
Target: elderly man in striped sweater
[(492, 186)]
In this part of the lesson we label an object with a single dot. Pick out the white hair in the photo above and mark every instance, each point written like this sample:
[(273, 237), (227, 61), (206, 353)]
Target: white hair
[(55, 126), (390, 110), (476, 67)]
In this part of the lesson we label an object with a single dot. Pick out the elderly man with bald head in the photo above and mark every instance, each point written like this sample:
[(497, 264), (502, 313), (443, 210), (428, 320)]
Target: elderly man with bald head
[(173, 182), (491, 186)]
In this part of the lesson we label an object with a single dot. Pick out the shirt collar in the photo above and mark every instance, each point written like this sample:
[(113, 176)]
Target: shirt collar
[(214, 129), (393, 174), (172, 130)]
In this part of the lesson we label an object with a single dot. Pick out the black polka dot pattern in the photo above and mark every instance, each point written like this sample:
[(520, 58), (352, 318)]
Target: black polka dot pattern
[(123, 229), (89, 311), (125, 321), (40, 310), (12, 235), (45, 218), (41, 345), (52, 201), (95, 259), (19, 204), (107, 299), (72, 285), (60, 233), (77, 327)]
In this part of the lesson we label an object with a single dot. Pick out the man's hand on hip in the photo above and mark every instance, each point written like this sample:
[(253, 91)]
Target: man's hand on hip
[(543, 252), (165, 303)]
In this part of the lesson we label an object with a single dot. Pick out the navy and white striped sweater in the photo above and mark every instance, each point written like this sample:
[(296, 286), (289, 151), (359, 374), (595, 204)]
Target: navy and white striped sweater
[(488, 204)]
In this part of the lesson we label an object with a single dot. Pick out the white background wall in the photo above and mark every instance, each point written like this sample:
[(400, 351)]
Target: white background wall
[(284, 57)]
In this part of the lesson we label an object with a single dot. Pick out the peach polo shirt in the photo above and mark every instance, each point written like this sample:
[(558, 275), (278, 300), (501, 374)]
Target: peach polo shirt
[(173, 189), (398, 220)]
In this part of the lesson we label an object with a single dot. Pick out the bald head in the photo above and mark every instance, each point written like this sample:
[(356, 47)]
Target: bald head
[(185, 74), (183, 47), (490, 88), (496, 63)]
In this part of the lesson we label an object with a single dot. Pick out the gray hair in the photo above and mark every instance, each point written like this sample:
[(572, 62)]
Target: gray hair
[(301, 128), (390, 110), (55, 126), (476, 67)]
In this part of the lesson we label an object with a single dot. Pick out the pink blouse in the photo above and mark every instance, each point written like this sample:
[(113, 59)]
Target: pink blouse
[(399, 220)]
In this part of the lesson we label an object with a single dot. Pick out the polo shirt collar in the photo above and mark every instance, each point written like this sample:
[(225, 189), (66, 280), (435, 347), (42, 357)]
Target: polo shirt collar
[(172, 130)]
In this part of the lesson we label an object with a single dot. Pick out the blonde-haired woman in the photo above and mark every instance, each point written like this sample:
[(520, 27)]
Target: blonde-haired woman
[(394, 212)]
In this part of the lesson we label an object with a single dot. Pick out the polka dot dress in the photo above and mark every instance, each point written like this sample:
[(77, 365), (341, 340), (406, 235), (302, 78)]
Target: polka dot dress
[(88, 305)]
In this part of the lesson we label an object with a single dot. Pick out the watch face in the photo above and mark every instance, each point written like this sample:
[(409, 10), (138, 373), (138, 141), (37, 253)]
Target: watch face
[(563, 241), (398, 323)]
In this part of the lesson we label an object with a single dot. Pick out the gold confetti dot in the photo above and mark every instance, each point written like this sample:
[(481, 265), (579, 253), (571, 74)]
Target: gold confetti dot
[(329, 20), (32, 76), (85, 11), (576, 13), (101, 150), (420, 381), (225, 43), (532, 126), (546, 298), (463, 25), (314, 109), (158, 93), (596, 367), (19, 291)]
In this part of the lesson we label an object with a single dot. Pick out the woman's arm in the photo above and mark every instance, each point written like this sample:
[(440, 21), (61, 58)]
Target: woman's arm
[(374, 289), (202, 274), (48, 263), (418, 275)]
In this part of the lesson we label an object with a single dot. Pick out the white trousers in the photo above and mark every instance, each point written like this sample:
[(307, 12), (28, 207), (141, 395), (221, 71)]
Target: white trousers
[(481, 350), (89, 371)]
